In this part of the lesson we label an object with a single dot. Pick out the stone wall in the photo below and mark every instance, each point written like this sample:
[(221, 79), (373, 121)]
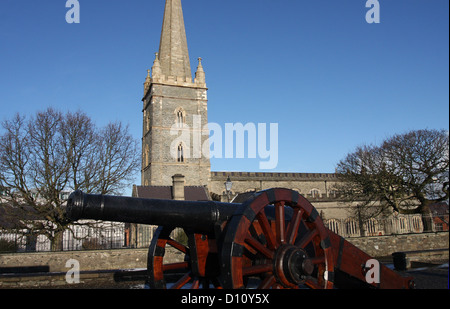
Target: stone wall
[(89, 260), (43, 280), (96, 266), (380, 246)]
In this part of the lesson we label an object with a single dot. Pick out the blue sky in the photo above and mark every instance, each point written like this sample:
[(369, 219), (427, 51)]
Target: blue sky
[(328, 78)]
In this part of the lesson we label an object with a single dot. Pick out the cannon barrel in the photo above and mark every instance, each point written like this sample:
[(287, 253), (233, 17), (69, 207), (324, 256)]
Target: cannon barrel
[(199, 215)]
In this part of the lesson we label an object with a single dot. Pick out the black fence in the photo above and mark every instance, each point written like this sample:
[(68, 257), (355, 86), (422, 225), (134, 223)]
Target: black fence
[(101, 235)]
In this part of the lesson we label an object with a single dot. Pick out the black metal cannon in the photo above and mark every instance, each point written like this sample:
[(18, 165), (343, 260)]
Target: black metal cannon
[(276, 239)]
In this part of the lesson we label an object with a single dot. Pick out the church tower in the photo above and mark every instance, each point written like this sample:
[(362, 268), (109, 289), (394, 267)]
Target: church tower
[(175, 133)]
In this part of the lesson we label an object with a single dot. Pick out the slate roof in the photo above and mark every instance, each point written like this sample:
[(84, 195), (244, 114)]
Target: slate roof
[(439, 209), (191, 193)]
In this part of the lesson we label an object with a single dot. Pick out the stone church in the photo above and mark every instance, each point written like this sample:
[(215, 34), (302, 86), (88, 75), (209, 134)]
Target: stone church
[(175, 100)]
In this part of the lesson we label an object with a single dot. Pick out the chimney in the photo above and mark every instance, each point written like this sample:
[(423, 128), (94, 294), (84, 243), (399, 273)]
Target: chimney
[(178, 187)]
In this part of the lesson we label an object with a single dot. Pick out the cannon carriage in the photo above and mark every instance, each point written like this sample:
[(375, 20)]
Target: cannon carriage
[(274, 240)]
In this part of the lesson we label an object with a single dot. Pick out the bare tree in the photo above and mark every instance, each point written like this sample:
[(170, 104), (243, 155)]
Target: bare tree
[(51, 153), (118, 158), (405, 174), (421, 158), (79, 138)]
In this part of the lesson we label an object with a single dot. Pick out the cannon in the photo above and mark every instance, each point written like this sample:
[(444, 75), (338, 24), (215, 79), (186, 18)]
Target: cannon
[(274, 240)]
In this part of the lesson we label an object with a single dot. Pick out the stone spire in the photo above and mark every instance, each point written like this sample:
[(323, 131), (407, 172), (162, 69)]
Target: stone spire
[(200, 74), (147, 82), (173, 49), (156, 68)]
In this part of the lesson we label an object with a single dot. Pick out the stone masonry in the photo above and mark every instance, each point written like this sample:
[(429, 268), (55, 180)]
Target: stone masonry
[(174, 110)]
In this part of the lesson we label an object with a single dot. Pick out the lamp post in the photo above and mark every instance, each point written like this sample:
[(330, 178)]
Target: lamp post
[(228, 184)]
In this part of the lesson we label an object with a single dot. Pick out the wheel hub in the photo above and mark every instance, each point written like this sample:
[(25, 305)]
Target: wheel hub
[(292, 265)]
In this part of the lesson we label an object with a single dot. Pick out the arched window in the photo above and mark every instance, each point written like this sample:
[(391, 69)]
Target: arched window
[(351, 227), (417, 224), (373, 227), (333, 193), (403, 225), (180, 153), (314, 193), (180, 117), (333, 225)]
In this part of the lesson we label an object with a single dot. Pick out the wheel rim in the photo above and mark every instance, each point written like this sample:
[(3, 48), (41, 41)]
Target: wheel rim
[(281, 246), (178, 275)]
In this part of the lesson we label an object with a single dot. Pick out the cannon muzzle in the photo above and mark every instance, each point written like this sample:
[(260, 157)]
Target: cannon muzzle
[(199, 216)]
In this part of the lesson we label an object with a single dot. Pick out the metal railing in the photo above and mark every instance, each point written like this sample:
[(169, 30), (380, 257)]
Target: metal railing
[(395, 225), (102, 235)]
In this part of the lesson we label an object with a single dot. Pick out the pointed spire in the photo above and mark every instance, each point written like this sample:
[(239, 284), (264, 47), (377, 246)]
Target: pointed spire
[(173, 49), (200, 74), (156, 68), (147, 82)]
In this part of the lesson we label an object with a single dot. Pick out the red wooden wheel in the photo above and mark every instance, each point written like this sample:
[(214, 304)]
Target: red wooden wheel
[(191, 273), (277, 240)]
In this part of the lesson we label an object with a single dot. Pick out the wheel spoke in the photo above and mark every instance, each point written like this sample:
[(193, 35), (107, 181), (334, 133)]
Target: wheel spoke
[(257, 269), (293, 226), (177, 245), (267, 283), (195, 284), (280, 222), (174, 266), (182, 281), (307, 238), (318, 260), (259, 247), (267, 230), (312, 284)]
